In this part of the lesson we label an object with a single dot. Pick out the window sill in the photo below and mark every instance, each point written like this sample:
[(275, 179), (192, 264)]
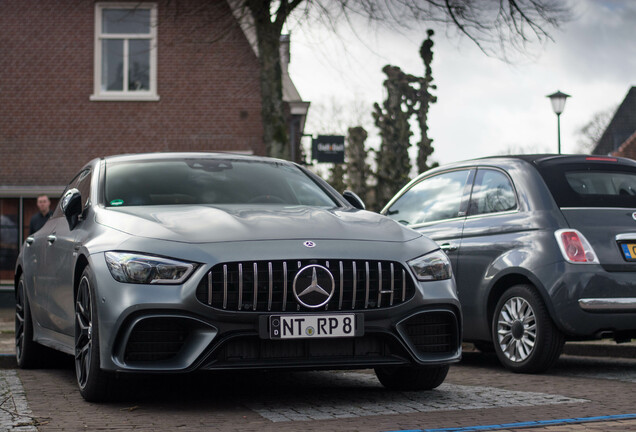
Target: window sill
[(124, 98)]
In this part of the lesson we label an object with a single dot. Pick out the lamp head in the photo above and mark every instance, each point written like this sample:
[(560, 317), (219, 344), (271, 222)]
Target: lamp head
[(558, 101)]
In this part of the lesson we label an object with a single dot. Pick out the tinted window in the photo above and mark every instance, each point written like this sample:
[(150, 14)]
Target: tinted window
[(492, 193), (434, 198), (602, 183), (84, 186), (592, 185), (210, 181)]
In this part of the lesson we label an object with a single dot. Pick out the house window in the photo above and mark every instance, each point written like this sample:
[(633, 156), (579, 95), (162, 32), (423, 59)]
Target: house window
[(125, 51), (9, 239)]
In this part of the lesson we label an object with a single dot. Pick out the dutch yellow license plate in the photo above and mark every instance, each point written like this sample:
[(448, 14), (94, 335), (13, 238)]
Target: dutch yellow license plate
[(629, 251)]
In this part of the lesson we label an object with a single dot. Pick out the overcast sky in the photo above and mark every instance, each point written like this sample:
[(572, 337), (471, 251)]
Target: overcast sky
[(485, 106)]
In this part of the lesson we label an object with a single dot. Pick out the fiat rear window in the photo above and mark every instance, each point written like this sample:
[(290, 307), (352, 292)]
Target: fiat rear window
[(592, 185)]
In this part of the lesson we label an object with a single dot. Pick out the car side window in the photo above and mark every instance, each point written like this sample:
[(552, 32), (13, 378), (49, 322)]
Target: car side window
[(83, 185), (433, 199), (492, 192)]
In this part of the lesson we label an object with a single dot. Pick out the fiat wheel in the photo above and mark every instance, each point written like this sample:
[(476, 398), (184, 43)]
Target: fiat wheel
[(524, 336)]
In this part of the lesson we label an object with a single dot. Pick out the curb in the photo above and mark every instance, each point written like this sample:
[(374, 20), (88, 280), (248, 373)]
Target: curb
[(591, 349), (604, 348)]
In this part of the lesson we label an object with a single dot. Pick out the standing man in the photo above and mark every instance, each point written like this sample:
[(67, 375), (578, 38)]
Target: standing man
[(44, 213)]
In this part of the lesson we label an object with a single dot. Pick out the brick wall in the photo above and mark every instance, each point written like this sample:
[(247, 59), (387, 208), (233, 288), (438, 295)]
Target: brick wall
[(628, 148), (207, 81)]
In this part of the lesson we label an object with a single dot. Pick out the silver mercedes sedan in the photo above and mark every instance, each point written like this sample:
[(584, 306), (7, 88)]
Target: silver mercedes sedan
[(179, 262)]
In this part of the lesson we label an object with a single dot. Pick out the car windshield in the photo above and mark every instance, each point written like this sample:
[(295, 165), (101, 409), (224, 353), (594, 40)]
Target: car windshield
[(210, 181), (592, 185)]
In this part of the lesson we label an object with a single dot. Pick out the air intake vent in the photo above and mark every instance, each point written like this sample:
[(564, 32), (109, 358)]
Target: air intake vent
[(432, 332), (251, 350), (155, 339)]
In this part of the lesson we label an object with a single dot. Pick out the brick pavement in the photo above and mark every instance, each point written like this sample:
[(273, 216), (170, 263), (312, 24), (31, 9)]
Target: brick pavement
[(478, 392)]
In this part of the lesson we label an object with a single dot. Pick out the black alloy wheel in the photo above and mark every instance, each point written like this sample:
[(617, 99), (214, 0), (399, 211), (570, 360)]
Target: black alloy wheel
[(83, 332), (94, 384)]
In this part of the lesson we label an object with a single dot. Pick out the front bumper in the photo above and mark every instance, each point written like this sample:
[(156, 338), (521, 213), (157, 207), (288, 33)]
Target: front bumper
[(160, 328)]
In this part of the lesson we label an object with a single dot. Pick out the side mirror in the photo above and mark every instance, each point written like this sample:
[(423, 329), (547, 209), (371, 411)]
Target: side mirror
[(72, 207), (354, 200)]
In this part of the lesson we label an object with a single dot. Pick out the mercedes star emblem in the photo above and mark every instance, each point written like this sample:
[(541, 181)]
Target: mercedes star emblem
[(309, 244), (314, 286)]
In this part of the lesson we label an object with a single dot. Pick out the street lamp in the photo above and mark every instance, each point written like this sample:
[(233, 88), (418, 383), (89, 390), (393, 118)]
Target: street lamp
[(558, 103)]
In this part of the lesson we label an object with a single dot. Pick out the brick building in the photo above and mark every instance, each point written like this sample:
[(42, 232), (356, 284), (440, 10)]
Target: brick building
[(620, 132), (82, 79)]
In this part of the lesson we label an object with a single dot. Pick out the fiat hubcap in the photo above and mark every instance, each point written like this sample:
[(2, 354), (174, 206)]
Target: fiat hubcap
[(516, 329)]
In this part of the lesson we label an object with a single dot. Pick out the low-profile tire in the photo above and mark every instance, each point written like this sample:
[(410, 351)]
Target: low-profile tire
[(525, 338), (94, 384), (412, 377), (28, 353)]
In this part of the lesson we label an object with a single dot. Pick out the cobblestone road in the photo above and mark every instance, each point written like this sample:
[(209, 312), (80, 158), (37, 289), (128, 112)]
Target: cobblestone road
[(477, 392)]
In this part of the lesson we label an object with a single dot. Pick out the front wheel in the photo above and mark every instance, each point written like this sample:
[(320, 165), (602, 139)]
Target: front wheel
[(525, 338), (94, 384), (412, 377)]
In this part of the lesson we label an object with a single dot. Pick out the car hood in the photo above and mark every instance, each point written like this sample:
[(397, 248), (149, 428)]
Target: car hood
[(205, 224)]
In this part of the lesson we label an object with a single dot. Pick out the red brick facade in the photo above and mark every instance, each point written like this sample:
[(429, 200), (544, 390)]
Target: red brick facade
[(628, 148), (207, 81)]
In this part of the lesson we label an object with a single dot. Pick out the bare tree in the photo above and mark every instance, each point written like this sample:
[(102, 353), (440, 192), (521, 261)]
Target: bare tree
[(425, 99), (392, 119), (337, 177), (592, 131), (495, 26), (519, 149), (336, 115), (358, 170)]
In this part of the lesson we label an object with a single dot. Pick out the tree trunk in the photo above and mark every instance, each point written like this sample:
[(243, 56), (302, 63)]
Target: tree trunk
[(275, 132), (358, 170)]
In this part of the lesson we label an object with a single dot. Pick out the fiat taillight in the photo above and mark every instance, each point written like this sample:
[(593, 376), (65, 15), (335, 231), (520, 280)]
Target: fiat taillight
[(575, 247)]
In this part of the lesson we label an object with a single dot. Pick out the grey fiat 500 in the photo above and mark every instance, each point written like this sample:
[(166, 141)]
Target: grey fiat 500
[(543, 248), (183, 262)]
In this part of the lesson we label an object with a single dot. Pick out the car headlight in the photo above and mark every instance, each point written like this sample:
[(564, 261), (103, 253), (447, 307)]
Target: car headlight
[(145, 269), (432, 266)]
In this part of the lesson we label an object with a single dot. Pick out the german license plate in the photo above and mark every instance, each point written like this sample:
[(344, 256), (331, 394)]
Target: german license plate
[(629, 251), (312, 326)]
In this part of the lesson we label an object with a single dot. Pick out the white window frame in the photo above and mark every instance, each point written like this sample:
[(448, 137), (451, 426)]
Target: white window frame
[(125, 95)]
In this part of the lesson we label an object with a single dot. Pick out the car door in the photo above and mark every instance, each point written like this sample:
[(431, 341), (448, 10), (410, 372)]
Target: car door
[(34, 260), (436, 207), (60, 259), (494, 228)]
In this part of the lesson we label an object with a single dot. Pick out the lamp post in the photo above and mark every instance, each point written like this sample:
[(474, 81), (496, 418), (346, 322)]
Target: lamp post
[(558, 103)]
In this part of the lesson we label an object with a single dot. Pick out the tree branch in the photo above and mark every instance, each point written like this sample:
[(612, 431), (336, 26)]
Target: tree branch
[(461, 27)]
